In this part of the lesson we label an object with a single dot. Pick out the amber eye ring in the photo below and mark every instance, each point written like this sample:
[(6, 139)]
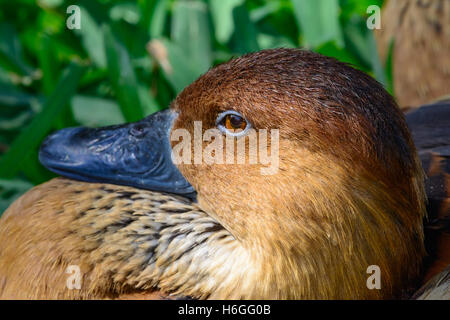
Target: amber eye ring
[(232, 123)]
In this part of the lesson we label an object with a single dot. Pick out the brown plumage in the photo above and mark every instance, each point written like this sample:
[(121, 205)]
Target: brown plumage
[(420, 30), (126, 241), (348, 194)]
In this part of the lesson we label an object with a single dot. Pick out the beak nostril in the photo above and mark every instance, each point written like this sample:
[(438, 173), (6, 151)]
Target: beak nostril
[(137, 130)]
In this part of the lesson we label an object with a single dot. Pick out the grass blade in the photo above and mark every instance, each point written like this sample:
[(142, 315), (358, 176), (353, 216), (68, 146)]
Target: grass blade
[(30, 138), (222, 16), (245, 36), (190, 31), (92, 39), (122, 77), (175, 65), (154, 15), (319, 21)]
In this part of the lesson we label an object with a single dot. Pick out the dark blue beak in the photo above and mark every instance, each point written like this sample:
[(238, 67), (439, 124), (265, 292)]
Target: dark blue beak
[(135, 154)]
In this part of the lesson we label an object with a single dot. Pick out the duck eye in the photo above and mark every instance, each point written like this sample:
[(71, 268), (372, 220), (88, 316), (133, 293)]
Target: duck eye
[(231, 122), (235, 122)]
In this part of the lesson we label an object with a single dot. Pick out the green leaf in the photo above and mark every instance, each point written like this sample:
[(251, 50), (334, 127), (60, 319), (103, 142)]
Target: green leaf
[(15, 184), (163, 90), (93, 111), (264, 11), (268, 41), (359, 7), (389, 68), (245, 36), (11, 50), (222, 17), (357, 40), (176, 66), (93, 76), (51, 3), (30, 138), (92, 38), (190, 31), (47, 64), (149, 104), (34, 170), (98, 10), (154, 15), (378, 70), (16, 122), (330, 49), (319, 21), (50, 21), (5, 79), (12, 97), (122, 77), (65, 119), (50, 73), (125, 11), (361, 42)]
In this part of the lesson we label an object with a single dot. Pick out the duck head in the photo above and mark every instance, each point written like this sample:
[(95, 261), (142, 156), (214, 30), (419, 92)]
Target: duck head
[(346, 192)]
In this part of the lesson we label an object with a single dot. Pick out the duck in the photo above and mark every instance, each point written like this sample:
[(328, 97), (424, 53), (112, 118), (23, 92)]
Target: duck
[(341, 217), (418, 32)]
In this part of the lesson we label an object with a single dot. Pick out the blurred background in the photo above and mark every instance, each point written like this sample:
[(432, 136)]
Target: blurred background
[(130, 59)]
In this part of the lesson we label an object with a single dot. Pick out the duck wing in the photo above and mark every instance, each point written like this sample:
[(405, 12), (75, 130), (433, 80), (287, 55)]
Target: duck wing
[(438, 288), (430, 128)]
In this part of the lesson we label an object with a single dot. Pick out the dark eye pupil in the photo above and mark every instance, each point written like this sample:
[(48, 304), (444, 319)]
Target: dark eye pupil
[(236, 121), (232, 122)]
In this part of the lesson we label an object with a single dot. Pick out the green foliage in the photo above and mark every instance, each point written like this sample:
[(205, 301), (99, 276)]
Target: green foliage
[(131, 58)]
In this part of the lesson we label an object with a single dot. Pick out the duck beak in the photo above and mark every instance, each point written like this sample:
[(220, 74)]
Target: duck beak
[(134, 154)]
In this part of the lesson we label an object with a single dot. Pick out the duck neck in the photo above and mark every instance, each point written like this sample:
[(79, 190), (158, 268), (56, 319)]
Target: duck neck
[(320, 243)]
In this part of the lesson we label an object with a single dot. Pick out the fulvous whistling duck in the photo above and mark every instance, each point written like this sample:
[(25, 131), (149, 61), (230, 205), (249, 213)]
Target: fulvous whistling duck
[(419, 31), (348, 194)]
